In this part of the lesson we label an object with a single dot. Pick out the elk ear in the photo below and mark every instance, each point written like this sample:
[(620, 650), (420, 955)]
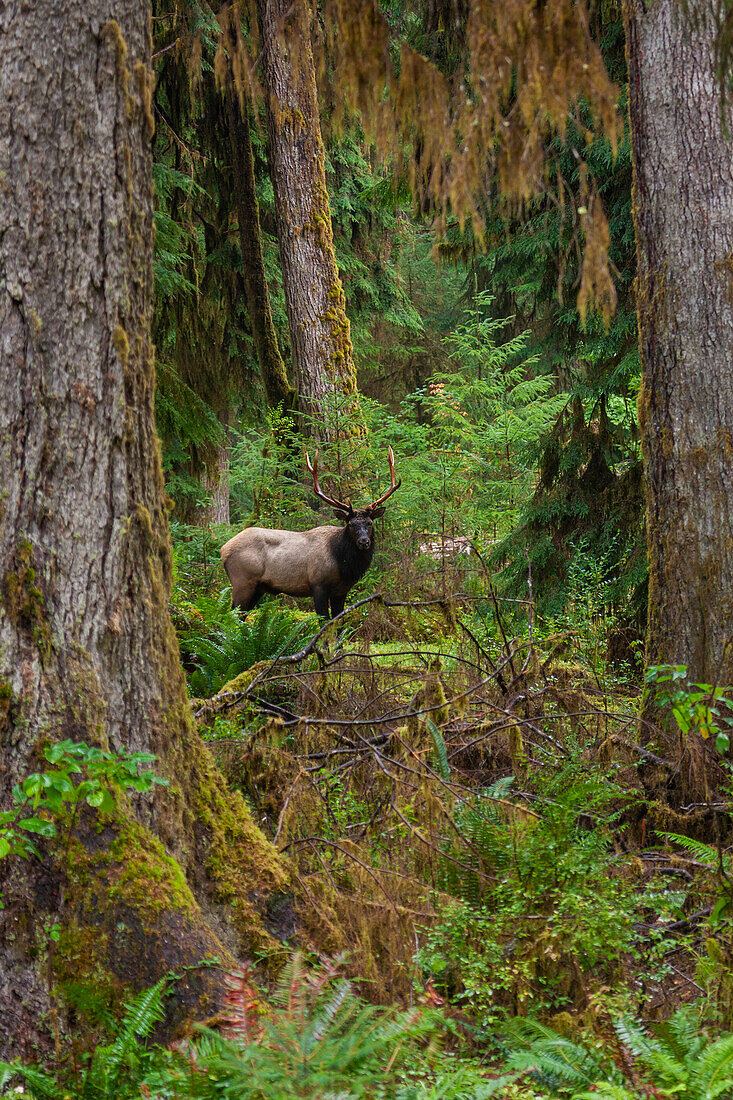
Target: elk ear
[(378, 512), (341, 514)]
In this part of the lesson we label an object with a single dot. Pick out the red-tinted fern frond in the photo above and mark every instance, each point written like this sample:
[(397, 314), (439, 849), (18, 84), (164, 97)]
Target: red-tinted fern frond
[(242, 1009)]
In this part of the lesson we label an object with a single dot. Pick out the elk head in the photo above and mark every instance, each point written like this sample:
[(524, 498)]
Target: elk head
[(359, 522)]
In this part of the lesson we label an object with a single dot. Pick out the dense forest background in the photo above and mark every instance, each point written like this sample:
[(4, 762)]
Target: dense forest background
[(472, 837)]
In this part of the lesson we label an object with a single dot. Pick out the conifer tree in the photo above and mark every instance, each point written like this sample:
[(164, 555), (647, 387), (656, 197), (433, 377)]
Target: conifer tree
[(683, 212), (322, 353), (87, 648)]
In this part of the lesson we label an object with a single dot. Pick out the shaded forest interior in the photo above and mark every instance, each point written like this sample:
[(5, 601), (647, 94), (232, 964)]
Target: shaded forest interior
[(472, 836)]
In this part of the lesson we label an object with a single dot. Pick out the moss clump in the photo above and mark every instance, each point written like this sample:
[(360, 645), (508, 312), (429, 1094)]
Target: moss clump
[(7, 699), (145, 875), (145, 89), (121, 345), (23, 597), (129, 916), (112, 33), (133, 864), (244, 869)]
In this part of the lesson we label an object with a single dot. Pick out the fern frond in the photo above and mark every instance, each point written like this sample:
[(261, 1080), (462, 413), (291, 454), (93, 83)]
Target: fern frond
[(441, 751), (705, 853), (714, 1068), (142, 1014), (326, 1015), (242, 1006), (42, 1086), (681, 1034), (607, 1091)]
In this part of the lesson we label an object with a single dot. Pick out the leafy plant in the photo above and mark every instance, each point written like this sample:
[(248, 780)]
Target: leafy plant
[(540, 911), (49, 792), (219, 643), (696, 708), (316, 1039), (669, 1058), (116, 1071)]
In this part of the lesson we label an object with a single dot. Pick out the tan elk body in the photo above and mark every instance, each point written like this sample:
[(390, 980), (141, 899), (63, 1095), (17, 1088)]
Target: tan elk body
[(324, 562)]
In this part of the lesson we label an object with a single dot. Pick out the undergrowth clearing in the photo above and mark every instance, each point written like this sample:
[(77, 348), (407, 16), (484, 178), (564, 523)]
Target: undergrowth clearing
[(463, 794)]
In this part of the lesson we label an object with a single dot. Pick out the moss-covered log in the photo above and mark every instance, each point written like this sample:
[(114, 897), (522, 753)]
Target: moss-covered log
[(87, 648)]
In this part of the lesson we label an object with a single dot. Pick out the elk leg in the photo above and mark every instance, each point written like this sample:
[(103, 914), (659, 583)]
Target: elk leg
[(247, 596), (337, 605), (320, 601)]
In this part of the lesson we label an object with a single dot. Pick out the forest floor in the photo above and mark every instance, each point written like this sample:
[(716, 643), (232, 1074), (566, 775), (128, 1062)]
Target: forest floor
[(496, 888), (474, 825)]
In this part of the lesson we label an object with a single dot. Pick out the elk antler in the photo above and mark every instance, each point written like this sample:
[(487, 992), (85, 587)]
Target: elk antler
[(317, 489), (394, 486)]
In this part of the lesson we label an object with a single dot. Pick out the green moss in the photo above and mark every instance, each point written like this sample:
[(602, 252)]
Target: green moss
[(145, 90), (145, 875), (244, 868), (121, 345), (24, 599), (111, 31), (129, 915), (7, 704)]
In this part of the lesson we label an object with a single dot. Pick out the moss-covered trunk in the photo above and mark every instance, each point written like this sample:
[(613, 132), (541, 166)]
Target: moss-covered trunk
[(683, 211), (212, 471), (272, 368), (87, 649), (323, 363)]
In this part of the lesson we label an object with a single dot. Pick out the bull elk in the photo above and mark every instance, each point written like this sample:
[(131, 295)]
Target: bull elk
[(324, 562)]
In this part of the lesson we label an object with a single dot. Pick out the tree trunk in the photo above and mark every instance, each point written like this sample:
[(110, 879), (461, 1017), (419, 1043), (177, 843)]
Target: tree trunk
[(217, 485), (272, 367), (323, 362), (214, 479), (683, 211), (87, 649)]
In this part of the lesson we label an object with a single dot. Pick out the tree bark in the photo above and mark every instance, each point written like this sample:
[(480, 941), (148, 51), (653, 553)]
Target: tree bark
[(213, 475), (683, 212), (323, 363), (272, 368), (87, 648)]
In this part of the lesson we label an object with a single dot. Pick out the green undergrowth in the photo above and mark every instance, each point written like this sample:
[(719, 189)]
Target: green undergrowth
[(457, 798)]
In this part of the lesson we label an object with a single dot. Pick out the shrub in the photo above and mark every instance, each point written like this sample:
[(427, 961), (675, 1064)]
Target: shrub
[(540, 910)]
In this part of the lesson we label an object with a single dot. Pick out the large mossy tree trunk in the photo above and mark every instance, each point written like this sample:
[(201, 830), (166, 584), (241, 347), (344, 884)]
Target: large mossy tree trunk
[(87, 648), (323, 363), (683, 213), (272, 368)]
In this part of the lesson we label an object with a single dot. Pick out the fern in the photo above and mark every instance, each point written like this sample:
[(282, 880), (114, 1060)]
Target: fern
[(116, 1070), (704, 853), (607, 1091), (674, 1057), (229, 644), (554, 1061), (317, 1040), (441, 751), (41, 1085)]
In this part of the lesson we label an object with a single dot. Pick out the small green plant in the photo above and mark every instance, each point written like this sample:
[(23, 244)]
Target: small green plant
[(121, 1069), (539, 915), (218, 643), (696, 708), (315, 1039), (674, 1057), (43, 796)]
